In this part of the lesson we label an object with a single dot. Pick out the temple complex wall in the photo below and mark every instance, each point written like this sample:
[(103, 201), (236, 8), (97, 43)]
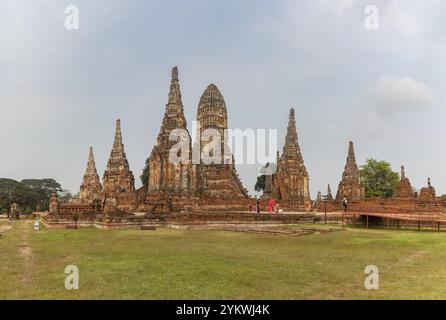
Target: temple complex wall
[(388, 205)]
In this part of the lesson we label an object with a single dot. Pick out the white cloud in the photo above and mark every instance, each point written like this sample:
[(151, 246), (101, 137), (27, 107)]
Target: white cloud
[(401, 20), (391, 94)]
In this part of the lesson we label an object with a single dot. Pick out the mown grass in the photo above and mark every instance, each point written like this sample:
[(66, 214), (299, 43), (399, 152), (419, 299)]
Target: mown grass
[(210, 264)]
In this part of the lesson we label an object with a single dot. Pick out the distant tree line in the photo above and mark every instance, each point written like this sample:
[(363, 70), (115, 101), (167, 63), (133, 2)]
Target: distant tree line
[(29, 194)]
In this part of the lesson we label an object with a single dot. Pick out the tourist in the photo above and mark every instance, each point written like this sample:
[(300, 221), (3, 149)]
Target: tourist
[(258, 205), (271, 205), (344, 203), (276, 208)]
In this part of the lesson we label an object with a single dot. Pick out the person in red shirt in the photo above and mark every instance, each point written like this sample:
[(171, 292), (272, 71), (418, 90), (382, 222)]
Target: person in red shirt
[(271, 205)]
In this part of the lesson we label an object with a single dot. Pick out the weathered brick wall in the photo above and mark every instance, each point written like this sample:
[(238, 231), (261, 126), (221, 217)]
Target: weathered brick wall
[(158, 219), (389, 205)]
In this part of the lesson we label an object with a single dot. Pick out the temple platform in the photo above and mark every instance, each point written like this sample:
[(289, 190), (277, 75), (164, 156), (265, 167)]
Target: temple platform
[(190, 219)]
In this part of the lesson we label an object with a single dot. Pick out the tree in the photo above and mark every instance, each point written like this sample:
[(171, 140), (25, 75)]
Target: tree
[(145, 174), (261, 179), (65, 196), (443, 197), (378, 178), (260, 183), (12, 191), (29, 193), (44, 188)]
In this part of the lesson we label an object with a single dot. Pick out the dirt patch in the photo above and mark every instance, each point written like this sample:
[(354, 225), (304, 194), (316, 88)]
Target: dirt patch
[(405, 260), (263, 229), (4, 228), (412, 257), (25, 250)]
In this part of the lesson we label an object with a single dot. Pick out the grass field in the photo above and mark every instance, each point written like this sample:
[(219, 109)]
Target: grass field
[(210, 264)]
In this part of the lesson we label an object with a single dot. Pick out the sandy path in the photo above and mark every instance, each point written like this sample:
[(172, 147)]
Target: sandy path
[(25, 251)]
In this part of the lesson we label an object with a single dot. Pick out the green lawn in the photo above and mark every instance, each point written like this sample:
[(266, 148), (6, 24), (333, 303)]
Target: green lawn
[(173, 264)]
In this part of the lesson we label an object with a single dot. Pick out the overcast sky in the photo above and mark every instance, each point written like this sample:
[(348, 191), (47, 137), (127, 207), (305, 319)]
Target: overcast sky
[(61, 91)]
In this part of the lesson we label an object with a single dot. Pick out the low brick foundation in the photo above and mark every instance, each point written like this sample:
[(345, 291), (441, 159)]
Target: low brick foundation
[(178, 219)]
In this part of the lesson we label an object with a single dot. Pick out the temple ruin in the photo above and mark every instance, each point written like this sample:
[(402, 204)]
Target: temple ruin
[(350, 185), (165, 175), (427, 193), (404, 188), (218, 179), (199, 182), (290, 183), (91, 187)]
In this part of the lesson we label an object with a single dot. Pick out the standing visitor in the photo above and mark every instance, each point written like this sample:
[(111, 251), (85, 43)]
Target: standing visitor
[(271, 205), (276, 208), (258, 205), (344, 203)]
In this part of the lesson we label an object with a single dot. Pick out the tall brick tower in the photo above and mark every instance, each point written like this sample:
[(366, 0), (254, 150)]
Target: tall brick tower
[(350, 185), (91, 186), (292, 179), (166, 174), (216, 180), (118, 178)]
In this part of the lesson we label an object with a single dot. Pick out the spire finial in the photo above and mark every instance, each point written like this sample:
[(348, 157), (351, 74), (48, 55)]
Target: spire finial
[(118, 126), (351, 149), (403, 174), (118, 133), (91, 155), (175, 73)]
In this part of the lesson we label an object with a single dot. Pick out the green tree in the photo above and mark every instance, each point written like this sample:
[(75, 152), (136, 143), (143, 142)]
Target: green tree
[(378, 178), (260, 183), (145, 174), (65, 196), (12, 191), (44, 188), (261, 179), (443, 197)]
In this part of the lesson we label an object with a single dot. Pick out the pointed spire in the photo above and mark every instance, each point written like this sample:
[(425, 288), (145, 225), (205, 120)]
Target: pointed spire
[(175, 73), (91, 165), (351, 168), (292, 179), (329, 194), (117, 176), (91, 155), (291, 149), (118, 158), (117, 144), (350, 184), (91, 185), (291, 136), (174, 101), (174, 114), (351, 159), (403, 174)]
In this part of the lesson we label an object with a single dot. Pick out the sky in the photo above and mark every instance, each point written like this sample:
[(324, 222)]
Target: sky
[(384, 89)]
